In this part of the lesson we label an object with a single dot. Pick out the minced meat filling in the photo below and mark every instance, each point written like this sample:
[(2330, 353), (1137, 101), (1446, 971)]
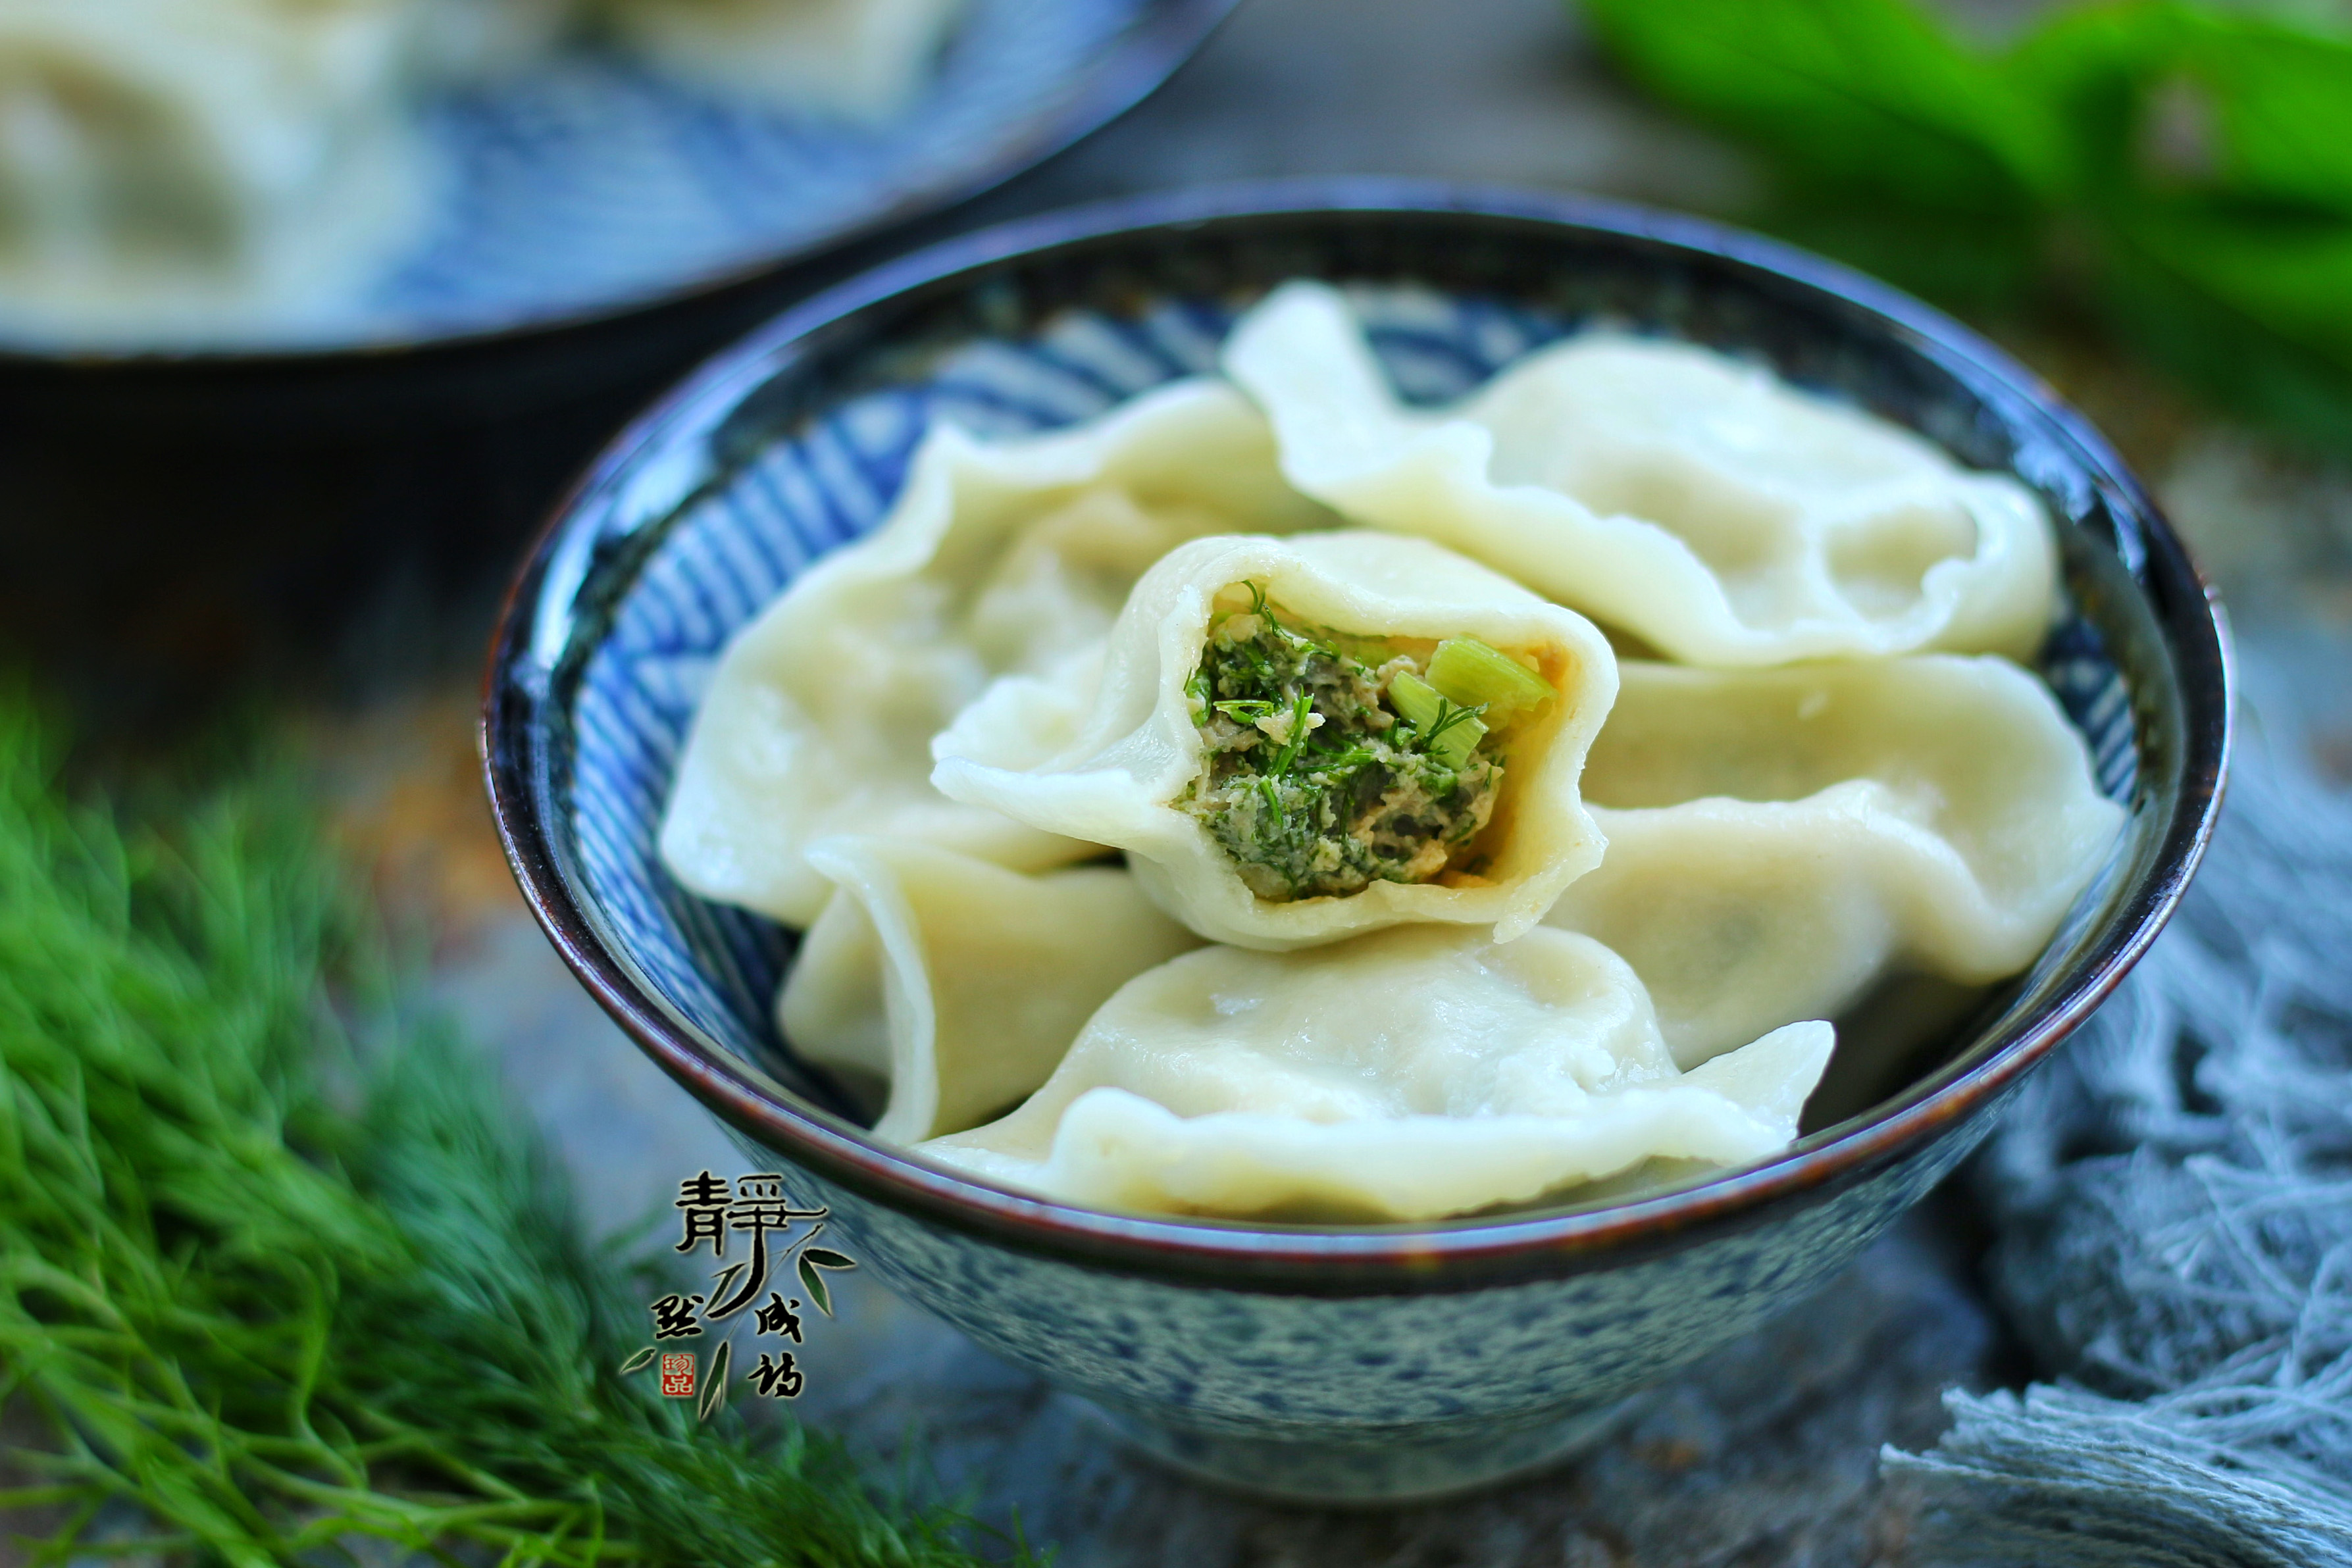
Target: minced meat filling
[(1316, 785)]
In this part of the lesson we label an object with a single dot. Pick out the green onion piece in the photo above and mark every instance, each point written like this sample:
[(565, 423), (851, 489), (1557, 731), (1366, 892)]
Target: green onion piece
[(1469, 671), (1452, 731), (1415, 698)]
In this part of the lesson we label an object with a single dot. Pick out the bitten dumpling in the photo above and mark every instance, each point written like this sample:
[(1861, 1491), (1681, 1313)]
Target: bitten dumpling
[(1299, 739), (942, 989), (857, 59), (1410, 1073), (1781, 839), (1701, 504), (999, 558)]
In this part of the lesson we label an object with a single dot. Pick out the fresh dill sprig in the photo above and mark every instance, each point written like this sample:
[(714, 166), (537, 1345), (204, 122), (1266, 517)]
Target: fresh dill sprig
[(1302, 709), (1451, 716), (272, 1320)]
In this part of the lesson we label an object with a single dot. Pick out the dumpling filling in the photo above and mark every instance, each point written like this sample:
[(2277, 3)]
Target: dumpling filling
[(1328, 771)]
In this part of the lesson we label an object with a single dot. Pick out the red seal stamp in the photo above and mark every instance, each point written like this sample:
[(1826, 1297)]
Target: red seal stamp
[(677, 1374)]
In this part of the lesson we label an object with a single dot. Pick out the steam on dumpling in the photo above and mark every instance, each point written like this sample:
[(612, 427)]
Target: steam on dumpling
[(1699, 503), (859, 59), (1299, 739), (942, 990), (173, 165), (1414, 1072), (1781, 839), (999, 558)]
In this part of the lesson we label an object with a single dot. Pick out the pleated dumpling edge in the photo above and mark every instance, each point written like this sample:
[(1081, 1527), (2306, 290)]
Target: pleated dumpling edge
[(998, 556), (1409, 1074), (1702, 504)]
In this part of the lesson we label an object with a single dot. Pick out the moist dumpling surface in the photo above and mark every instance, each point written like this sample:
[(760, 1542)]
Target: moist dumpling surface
[(999, 558), (1779, 840), (941, 990), (172, 168), (1410, 1073), (858, 59), (1702, 504)]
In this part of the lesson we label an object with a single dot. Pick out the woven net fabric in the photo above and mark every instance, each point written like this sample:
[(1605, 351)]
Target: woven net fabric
[(2173, 1202)]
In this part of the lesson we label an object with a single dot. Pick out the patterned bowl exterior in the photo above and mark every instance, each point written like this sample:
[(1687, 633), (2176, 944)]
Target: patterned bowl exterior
[(591, 184), (1309, 1381)]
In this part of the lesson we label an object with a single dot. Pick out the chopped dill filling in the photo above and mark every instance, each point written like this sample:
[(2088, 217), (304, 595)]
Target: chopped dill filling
[(1319, 780)]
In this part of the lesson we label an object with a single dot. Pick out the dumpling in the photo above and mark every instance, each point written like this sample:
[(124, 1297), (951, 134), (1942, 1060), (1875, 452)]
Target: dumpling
[(471, 41), (1297, 739), (1413, 1072), (858, 59), (1701, 504), (1779, 840), (942, 990), (999, 558), (173, 167)]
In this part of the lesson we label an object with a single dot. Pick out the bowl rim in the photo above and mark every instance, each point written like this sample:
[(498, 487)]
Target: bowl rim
[(521, 694), (1163, 36)]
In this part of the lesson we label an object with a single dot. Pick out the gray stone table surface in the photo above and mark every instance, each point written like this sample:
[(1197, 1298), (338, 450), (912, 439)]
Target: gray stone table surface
[(1766, 1454)]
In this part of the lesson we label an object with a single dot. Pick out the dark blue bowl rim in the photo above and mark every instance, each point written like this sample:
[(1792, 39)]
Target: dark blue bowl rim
[(521, 698), (1166, 35)]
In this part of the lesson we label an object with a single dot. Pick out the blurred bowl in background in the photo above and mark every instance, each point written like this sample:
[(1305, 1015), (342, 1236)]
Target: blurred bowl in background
[(309, 515), (571, 185)]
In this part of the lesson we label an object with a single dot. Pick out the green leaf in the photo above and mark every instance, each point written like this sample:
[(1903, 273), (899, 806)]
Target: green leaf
[(820, 1293), (1863, 96), (639, 1360), (1966, 260), (2252, 312), (826, 1257), (2179, 98)]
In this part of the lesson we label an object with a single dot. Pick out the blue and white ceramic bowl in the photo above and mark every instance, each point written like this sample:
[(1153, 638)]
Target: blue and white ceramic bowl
[(1367, 1363), (590, 185)]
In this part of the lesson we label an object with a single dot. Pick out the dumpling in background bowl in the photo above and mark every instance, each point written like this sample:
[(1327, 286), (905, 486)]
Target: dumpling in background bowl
[(860, 59), (298, 178), (168, 161)]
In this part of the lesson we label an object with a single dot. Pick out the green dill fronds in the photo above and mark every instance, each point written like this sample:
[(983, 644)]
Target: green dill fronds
[(1197, 695), (274, 1322), (1302, 708)]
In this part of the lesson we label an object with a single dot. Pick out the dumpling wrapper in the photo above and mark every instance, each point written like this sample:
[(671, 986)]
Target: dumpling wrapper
[(943, 988), (1130, 757), (999, 558), (1779, 840), (1704, 505), (177, 168), (1411, 1073), (855, 59)]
